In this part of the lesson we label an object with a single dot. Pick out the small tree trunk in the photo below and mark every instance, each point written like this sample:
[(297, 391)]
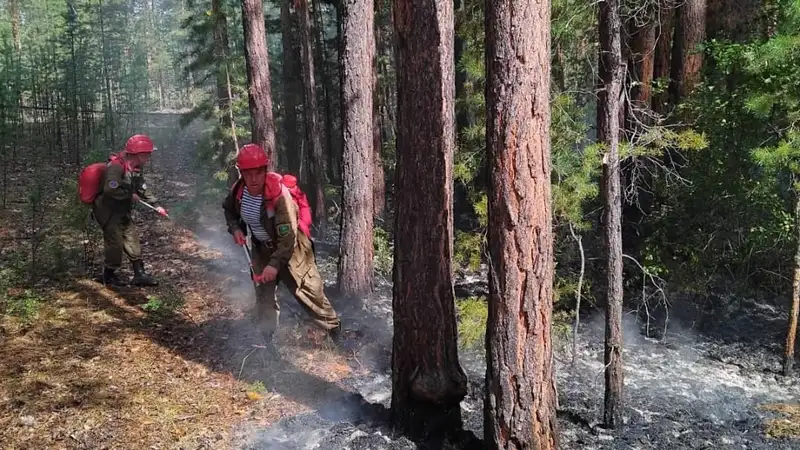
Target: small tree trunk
[(428, 382), (612, 72), (258, 84), (520, 405), (791, 335), (313, 132), (358, 50)]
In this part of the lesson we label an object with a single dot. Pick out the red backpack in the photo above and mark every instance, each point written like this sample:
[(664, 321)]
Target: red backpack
[(91, 178), (288, 182)]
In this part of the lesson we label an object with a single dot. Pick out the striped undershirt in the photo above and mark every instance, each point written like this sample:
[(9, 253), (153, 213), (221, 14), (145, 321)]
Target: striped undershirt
[(251, 214)]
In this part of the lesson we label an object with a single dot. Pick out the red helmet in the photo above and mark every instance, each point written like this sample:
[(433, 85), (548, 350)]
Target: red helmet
[(139, 143), (251, 156)]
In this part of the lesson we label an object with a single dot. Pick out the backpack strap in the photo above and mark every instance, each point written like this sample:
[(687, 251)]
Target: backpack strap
[(116, 158)]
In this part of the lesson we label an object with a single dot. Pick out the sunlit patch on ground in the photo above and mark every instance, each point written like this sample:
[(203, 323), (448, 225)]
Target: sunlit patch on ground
[(787, 424)]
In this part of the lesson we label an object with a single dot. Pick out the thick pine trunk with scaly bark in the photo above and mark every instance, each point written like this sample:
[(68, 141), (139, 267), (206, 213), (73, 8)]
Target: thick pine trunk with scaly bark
[(687, 61), (258, 84), (428, 382), (519, 410), (643, 43), (611, 69), (313, 130), (358, 50)]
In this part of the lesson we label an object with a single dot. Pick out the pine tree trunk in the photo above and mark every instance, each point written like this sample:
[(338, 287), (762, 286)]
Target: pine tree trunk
[(16, 21), (791, 334), (358, 50), (324, 70), (520, 403), (221, 46), (462, 113), (643, 41), (258, 84), (428, 382), (335, 153), (663, 55), (378, 179), (612, 71), (313, 131), (291, 87), (687, 61), (109, 108)]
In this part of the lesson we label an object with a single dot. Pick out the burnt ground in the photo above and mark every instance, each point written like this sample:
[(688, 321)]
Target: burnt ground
[(181, 366)]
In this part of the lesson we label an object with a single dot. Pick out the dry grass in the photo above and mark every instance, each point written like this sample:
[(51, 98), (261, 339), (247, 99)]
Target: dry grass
[(98, 368), (787, 426)]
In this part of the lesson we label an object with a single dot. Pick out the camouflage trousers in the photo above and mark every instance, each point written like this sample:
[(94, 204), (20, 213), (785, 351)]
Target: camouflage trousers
[(303, 280)]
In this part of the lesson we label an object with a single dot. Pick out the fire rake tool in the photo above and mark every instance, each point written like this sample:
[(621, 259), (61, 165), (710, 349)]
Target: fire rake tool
[(152, 207), (249, 260)]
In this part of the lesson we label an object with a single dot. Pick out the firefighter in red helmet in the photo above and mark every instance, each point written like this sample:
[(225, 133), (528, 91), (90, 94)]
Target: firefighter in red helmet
[(261, 205), (122, 186)]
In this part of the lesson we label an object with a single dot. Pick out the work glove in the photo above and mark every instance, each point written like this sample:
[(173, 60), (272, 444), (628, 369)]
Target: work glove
[(238, 237)]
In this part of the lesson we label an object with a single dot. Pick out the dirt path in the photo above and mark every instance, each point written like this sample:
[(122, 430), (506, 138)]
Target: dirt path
[(177, 366)]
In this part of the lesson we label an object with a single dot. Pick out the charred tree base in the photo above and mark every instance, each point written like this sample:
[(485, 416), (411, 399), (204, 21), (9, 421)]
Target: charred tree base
[(788, 366), (423, 422)]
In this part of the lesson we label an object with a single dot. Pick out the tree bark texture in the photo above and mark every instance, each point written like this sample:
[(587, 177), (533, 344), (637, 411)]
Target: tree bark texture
[(378, 179), (520, 395), (386, 74), (611, 69), (428, 382), (258, 83), (665, 27), (358, 51), (313, 131), (291, 86), (738, 20), (321, 55), (221, 45), (687, 61), (643, 43), (16, 20), (791, 334)]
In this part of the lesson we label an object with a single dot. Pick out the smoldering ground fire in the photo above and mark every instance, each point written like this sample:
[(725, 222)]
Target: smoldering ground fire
[(688, 389)]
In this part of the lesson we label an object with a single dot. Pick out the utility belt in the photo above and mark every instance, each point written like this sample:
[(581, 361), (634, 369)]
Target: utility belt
[(259, 244)]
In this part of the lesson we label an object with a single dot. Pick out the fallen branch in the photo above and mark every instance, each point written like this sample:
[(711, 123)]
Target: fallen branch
[(657, 283)]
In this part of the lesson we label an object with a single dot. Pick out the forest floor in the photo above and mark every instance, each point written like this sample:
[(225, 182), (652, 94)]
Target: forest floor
[(180, 366)]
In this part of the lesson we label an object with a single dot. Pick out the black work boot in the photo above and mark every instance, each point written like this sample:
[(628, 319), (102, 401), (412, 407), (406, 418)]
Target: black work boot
[(140, 278), (269, 345), (110, 278), (335, 334)]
